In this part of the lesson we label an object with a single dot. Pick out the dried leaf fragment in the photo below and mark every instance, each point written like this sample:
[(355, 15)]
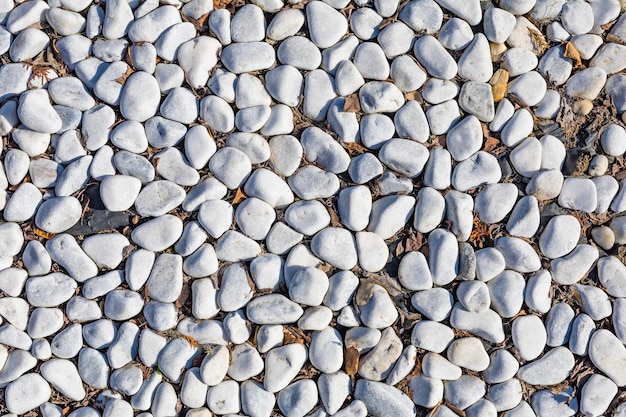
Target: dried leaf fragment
[(124, 77), (572, 52), (352, 360), (498, 83), (352, 103), (239, 196)]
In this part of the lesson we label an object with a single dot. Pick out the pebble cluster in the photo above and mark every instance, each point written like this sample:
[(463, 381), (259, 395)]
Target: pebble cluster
[(333, 207)]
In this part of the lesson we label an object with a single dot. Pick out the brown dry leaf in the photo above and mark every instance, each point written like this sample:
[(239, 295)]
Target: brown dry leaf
[(499, 83), (352, 360), (326, 267), (354, 148), (352, 103), (334, 217), (538, 40), (239, 196), (294, 335), (413, 95), (572, 52), (191, 341), (124, 77)]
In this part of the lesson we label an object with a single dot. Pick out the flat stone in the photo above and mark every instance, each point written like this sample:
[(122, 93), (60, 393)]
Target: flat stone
[(553, 368)]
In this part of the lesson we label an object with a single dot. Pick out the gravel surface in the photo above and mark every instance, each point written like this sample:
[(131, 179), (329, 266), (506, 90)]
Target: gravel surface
[(313, 207)]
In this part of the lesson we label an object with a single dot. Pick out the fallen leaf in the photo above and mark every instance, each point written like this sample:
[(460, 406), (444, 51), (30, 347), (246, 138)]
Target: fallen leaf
[(352, 360), (538, 40), (354, 148), (124, 77), (334, 218), (572, 52), (239, 196), (413, 95), (326, 267), (352, 103), (498, 84)]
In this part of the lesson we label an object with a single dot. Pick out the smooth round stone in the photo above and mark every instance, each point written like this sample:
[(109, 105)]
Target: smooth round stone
[(394, 155), (406, 74), (474, 64), (245, 363), (342, 287), (284, 24), (158, 198), (273, 309), (575, 266), (180, 105), (414, 273), (545, 185), (578, 194), (122, 304), (480, 168), (474, 296), (372, 251), (608, 354), (216, 217), (308, 286), (498, 24), (172, 165), (364, 23), (502, 367), (282, 364), (597, 394), (468, 353), (456, 34), (434, 303), (487, 325), (58, 214), (234, 246), (321, 149), (553, 367), (298, 398), (613, 140), (307, 217), (199, 146), (26, 393), (537, 293), (63, 376), (231, 166), (380, 97), (434, 58), (429, 210), (529, 336), (389, 214), (23, 203), (130, 164), (477, 98), (465, 138), (217, 113), (560, 236), (495, 202), (267, 271), (118, 192), (36, 112), (380, 398), (248, 57), (525, 217), (464, 391), (377, 310), (582, 329), (326, 25), (26, 45), (586, 84), (300, 53), (595, 301), (49, 290), (159, 233), (426, 392), (507, 293), (326, 350)]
